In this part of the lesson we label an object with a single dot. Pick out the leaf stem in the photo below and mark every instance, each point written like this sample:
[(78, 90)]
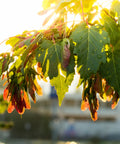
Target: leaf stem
[(83, 13), (82, 10)]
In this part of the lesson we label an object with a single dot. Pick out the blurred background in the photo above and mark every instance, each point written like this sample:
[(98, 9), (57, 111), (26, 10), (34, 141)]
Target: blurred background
[(46, 122)]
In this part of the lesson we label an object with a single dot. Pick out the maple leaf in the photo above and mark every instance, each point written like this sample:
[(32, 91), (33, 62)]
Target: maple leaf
[(111, 69), (89, 47), (61, 84), (94, 48), (110, 26), (115, 7), (49, 55), (70, 69)]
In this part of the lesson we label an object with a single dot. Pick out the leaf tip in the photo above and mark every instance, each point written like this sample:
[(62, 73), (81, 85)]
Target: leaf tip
[(95, 117)]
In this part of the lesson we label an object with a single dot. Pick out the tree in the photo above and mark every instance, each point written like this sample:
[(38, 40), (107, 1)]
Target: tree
[(91, 47)]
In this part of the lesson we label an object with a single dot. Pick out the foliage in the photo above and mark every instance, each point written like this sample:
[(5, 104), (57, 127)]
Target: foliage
[(93, 46)]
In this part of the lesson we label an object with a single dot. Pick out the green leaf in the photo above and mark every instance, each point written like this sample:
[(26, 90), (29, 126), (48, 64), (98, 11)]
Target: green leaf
[(115, 7), (71, 67), (49, 55), (110, 26), (111, 69), (61, 84), (90, 48)]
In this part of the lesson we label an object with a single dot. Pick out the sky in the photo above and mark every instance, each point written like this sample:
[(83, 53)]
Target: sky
[(17, 16)]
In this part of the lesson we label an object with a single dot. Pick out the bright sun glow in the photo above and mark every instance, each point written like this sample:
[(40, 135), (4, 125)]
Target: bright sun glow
[(76, 19), (17, 16), (71, 18), (104, 3)]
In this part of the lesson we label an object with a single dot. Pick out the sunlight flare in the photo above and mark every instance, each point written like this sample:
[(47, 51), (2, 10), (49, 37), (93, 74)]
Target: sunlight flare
[(101, 4), (73, 19), (104, 3), (14, 21)]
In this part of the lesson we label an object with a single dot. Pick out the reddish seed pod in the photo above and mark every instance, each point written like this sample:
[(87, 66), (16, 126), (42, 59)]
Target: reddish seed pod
[(66, 53)]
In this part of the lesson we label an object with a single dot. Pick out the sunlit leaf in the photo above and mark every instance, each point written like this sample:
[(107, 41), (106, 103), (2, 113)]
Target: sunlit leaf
[(49, 55), (110, 26), (89, 48), (116, 9), (112, 75), (61, 85)]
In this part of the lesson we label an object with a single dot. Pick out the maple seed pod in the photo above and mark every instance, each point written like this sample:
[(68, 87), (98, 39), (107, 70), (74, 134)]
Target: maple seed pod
[(98, 84), (11, 107), (66, 53), (5, 93), (38, 88), (84, 105), (115, 100)]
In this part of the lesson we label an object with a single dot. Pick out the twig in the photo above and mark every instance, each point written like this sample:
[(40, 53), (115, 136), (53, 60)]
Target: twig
[(83, 13)]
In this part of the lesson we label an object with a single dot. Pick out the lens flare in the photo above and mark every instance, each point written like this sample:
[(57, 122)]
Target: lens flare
[(15, 21)]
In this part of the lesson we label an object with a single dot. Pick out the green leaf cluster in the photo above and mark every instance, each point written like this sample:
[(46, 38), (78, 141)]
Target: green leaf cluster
[(90, 47)]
